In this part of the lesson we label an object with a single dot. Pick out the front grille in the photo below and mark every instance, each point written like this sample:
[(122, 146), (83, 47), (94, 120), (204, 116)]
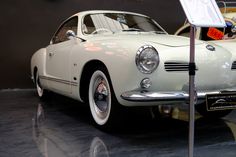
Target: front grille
[(176, 66), (233, 66)]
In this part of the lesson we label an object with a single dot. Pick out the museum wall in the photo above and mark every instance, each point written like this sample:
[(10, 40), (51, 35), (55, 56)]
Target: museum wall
[(27, 25)]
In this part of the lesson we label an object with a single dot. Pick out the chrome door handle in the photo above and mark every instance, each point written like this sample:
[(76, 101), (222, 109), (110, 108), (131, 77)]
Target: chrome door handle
[(51, 54)]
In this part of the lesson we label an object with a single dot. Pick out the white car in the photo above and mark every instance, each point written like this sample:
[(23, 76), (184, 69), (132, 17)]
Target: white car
[(111, 59)]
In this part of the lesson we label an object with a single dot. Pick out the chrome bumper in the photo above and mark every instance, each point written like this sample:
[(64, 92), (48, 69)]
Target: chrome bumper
[(142, 96)]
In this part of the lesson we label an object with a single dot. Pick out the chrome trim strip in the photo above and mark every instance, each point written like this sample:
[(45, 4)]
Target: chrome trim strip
[(59, 80), (145, 96)]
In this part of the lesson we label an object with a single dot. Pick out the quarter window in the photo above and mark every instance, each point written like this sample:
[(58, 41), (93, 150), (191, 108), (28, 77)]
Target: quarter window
[(185, 32), (60, 35)]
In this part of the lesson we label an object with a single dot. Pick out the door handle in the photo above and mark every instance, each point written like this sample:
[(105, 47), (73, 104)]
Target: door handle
[(51, 54)]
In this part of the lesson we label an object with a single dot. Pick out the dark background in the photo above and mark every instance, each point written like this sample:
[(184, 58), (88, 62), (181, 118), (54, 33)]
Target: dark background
[(27, 25)]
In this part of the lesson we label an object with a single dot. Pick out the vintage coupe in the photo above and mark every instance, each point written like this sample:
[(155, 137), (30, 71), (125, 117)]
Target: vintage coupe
[(112, 59)]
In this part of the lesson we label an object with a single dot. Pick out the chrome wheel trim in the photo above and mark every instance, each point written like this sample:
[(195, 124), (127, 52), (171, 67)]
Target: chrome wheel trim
[(99, 97), (38, 86)]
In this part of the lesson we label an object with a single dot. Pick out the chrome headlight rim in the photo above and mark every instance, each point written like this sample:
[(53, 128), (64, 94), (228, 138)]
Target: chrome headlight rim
[(137, 59)]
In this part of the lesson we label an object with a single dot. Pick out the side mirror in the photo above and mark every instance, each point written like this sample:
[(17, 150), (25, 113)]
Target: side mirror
[(70, 34), (233, 29)]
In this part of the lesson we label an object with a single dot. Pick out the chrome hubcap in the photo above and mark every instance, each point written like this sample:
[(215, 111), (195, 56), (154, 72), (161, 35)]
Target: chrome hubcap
[(101, 97)]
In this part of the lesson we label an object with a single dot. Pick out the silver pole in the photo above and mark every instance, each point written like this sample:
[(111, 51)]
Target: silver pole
[(192, 69)]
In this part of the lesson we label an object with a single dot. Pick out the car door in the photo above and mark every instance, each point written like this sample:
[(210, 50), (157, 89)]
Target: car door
[(58, 58)]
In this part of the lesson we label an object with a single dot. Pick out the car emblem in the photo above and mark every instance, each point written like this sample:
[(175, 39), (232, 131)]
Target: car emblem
[(210, 48)]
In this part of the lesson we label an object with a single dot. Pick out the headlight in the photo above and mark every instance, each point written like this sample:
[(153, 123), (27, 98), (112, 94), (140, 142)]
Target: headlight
[(147, 59)]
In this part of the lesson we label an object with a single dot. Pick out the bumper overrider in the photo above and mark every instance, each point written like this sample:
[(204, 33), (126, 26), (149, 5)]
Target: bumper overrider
[(175, 96)]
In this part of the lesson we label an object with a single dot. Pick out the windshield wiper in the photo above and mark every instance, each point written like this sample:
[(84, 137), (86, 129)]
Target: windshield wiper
[(158, 32), (140, 30), (132, 29)]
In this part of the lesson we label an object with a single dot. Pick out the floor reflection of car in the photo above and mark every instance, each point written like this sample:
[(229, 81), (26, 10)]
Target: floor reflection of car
[(53, 140)]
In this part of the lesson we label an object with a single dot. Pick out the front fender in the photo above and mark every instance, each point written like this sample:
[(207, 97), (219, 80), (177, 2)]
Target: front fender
[(38, 60)]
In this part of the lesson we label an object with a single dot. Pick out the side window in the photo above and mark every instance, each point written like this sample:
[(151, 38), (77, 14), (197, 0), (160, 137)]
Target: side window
[(88, 26), (60, 35), (185, 32)]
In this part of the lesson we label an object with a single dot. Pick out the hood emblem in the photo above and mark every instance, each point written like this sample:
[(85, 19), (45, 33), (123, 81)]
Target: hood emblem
[(210, 48)]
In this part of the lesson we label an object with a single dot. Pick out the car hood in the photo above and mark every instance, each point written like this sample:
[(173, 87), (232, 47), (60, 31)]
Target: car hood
[(148, 38), (171, 40)]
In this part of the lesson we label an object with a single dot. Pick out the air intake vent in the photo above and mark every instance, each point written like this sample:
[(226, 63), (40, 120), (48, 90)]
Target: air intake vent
[(176, 66), (233, 66)]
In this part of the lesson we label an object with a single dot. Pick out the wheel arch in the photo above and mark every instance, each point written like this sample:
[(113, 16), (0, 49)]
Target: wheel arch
[(86, 74), (34, 73), (38, 61)]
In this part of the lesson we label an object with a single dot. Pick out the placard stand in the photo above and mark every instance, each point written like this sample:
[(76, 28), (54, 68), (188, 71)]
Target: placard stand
[(200, 13), (192, 68)]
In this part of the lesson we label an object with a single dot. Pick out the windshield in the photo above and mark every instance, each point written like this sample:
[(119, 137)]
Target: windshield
[(118, 22)]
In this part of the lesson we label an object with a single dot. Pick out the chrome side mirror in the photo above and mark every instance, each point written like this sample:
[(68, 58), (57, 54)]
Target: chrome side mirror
[(233, 29), (70, 34)]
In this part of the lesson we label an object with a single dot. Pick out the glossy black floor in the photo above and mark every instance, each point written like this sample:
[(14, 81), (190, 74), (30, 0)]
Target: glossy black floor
[(60, 127)]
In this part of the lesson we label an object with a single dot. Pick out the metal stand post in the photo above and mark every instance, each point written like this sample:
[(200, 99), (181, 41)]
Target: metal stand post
[(192, 68)]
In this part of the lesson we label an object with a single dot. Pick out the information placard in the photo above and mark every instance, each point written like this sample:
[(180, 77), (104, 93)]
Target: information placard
[(203, 13), (223, 101)]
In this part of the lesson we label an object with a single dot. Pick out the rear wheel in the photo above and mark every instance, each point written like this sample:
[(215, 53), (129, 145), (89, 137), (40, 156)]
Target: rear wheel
[(202, 109), (42, 93), (102, 101)]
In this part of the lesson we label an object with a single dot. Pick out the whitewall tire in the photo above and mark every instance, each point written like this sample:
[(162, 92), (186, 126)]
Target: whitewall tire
[(100, 98), (42, 93), (39, 88)]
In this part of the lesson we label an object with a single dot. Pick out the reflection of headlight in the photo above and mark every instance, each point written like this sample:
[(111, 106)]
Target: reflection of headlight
[(147, 59)]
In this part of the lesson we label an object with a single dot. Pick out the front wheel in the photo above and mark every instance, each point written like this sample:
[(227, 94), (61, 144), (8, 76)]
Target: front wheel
[(202, 109), (102, 101)]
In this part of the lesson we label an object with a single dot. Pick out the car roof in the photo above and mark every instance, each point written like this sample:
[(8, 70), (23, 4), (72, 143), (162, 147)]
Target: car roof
[(82, 13)]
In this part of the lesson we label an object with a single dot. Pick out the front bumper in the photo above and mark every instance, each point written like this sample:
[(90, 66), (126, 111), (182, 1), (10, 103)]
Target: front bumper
[(175, 96)]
